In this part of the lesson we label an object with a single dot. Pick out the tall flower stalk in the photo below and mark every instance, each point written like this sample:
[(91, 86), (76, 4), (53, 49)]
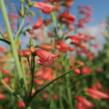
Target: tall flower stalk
[(13, 45)]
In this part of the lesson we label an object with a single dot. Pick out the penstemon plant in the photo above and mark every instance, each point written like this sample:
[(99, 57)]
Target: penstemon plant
[(55, 64)]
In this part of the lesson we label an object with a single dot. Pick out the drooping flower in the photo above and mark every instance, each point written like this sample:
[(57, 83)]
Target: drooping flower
[(96, 94), (38, 24), (75, 40), (21, 104), (83, 103), (2, 49), (77, 71), (97, 85), (45, 57), (2, 96), (86, 70), (63, 47), (69, 3), (25, 52), (6, 80), (44, 7), (85, 12), (47, 47), (43, 74), (67, 18), (4, 71)]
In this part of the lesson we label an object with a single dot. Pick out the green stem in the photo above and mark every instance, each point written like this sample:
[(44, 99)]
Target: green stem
[(20, 28), (13, 45), (61, 99), (48, 84), (69, 93), (32, 70), (10, 90), (53, 15)]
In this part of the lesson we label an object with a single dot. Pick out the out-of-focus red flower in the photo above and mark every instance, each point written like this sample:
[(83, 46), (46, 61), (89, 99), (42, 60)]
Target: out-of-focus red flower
[(5, 72), (71, 27), (2, 96), (45, 57), (69, 3), (45, 95), (21, 104), (57, 7), (75, 40), (45, 74), (55, 97), (67, 18), (86, 13), (77, 71), (39, 81), (63, 47), (95, 46), (83, 103), (85, 37), (44, 7), (13, 16), (99, 69), (85, 9), (90, 56), (97, 86), (47, 47), (86, 70), (25, 52), (38, 24), (6, 80), (80, 23), (2, 49), (52, 1), (96, 94)]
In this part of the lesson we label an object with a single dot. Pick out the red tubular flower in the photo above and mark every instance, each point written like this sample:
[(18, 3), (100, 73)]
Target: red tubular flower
[(96, 94), (45, 57), (25, 53), (38, 24), (67, 18), (45, 46), (57, 7), (13, 16), (49, 74), (55, 97), (44, 7), (75, 40), (2, 49), (63, 47), (21, 104), (69, 3), (97, 86), (44, 74), (6, 80), (45, 95), (39, 81), (77, 71), (83, 103), (90, 56), (86, 70), (2, 96), (5, 72), (81, 23), (85, 11)]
